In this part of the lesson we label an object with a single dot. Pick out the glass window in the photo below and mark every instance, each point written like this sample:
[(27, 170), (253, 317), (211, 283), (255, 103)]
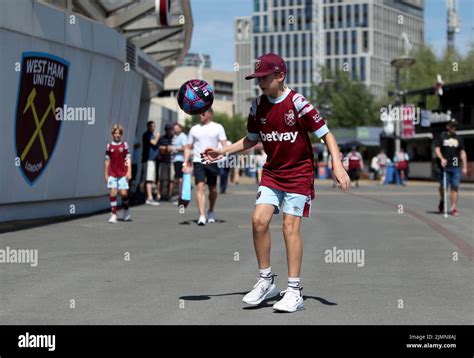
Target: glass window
[(354, 69), (325, 18), (304, 74), (287, 44), (299, 19), (348, 16), (356, 15), (275, 20), (362, 68), (256, 24), (295, 45), (275, 3), (345, 42), (365, 13), (296, 72), (354, 42), (339, 17), (265, 23), (255, 48), (283, 20), (303, 44), (279, 45), (331, 17), (288, 73), (328, 64), (336, 43), (291, 20), (365, 41), (283, 3), (309, 15), (264, 44), (272, 44), (328, 43), (256, 5)]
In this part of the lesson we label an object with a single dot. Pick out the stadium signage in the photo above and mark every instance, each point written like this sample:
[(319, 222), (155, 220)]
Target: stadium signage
[(41, 90)]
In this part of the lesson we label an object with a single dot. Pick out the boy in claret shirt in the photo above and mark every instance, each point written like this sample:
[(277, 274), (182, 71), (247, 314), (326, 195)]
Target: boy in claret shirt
[(117, 172), (281, 119)]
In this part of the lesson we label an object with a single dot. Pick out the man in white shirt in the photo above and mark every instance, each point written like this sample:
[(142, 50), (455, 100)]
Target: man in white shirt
[(201, 136)]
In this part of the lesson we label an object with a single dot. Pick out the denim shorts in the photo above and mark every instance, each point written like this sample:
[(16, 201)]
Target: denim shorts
[(293, 204)]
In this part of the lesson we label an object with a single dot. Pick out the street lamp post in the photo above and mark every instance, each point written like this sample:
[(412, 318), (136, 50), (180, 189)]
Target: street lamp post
[(398, 63)]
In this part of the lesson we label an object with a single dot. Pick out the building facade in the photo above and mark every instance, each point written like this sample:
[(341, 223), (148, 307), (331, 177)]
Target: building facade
[(196, 59), (357, 36), (222, 81)]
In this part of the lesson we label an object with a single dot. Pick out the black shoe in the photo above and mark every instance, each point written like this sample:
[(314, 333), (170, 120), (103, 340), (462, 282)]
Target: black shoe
[(441, 206)]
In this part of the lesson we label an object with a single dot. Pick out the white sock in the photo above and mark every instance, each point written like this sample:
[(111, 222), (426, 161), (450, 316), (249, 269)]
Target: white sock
[(267, 274), (294, 283)]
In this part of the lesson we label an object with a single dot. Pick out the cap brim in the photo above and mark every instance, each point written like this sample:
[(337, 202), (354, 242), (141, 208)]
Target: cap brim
[(257, 75)]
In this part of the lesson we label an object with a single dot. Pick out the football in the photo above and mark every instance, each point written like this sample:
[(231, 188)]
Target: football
[(195, 96)]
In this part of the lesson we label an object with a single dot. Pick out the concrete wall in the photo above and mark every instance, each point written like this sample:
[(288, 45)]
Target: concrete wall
[(96, 79)]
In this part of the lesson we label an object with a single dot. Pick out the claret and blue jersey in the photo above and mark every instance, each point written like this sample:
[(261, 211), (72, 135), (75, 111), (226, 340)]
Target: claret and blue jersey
[(282, 125)]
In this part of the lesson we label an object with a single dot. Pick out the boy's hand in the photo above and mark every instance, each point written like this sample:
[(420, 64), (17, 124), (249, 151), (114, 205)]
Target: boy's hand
[(341, 177), (128, 176), (210, 155), (106, 178), (186, 168)]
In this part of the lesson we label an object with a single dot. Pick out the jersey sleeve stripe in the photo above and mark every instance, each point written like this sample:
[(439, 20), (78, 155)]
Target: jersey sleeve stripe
[(305, 110), (321, 131)]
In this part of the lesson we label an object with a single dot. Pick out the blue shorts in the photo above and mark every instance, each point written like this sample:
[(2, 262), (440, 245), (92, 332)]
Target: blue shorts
[(117, 183), (453, 177), (293, 204)]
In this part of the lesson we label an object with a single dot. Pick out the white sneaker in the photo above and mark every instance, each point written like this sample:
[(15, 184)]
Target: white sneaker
[(211, 217), (202, 220), (113, 219), (262, 290), (292, 301), (126, 215), (152, 202)]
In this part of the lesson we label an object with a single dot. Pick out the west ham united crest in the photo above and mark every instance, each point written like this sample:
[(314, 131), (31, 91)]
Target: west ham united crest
[(42, 89)]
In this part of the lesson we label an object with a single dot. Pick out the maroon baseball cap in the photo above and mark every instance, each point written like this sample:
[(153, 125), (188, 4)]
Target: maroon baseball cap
[(267, 64)]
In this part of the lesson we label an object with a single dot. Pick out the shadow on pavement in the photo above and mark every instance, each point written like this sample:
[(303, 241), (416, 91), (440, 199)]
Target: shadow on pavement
[(189, 222), (434, 212), (264, 304), (208, 297)]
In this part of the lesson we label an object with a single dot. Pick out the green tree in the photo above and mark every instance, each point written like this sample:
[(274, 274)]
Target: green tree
[(451, 66), (344, 102)]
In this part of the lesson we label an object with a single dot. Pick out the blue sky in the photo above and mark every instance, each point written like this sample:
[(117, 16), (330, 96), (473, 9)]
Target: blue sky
[(213, 31)]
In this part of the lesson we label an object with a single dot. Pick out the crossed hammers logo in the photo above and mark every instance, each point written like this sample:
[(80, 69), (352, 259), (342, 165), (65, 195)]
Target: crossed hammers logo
[(39, 123)]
